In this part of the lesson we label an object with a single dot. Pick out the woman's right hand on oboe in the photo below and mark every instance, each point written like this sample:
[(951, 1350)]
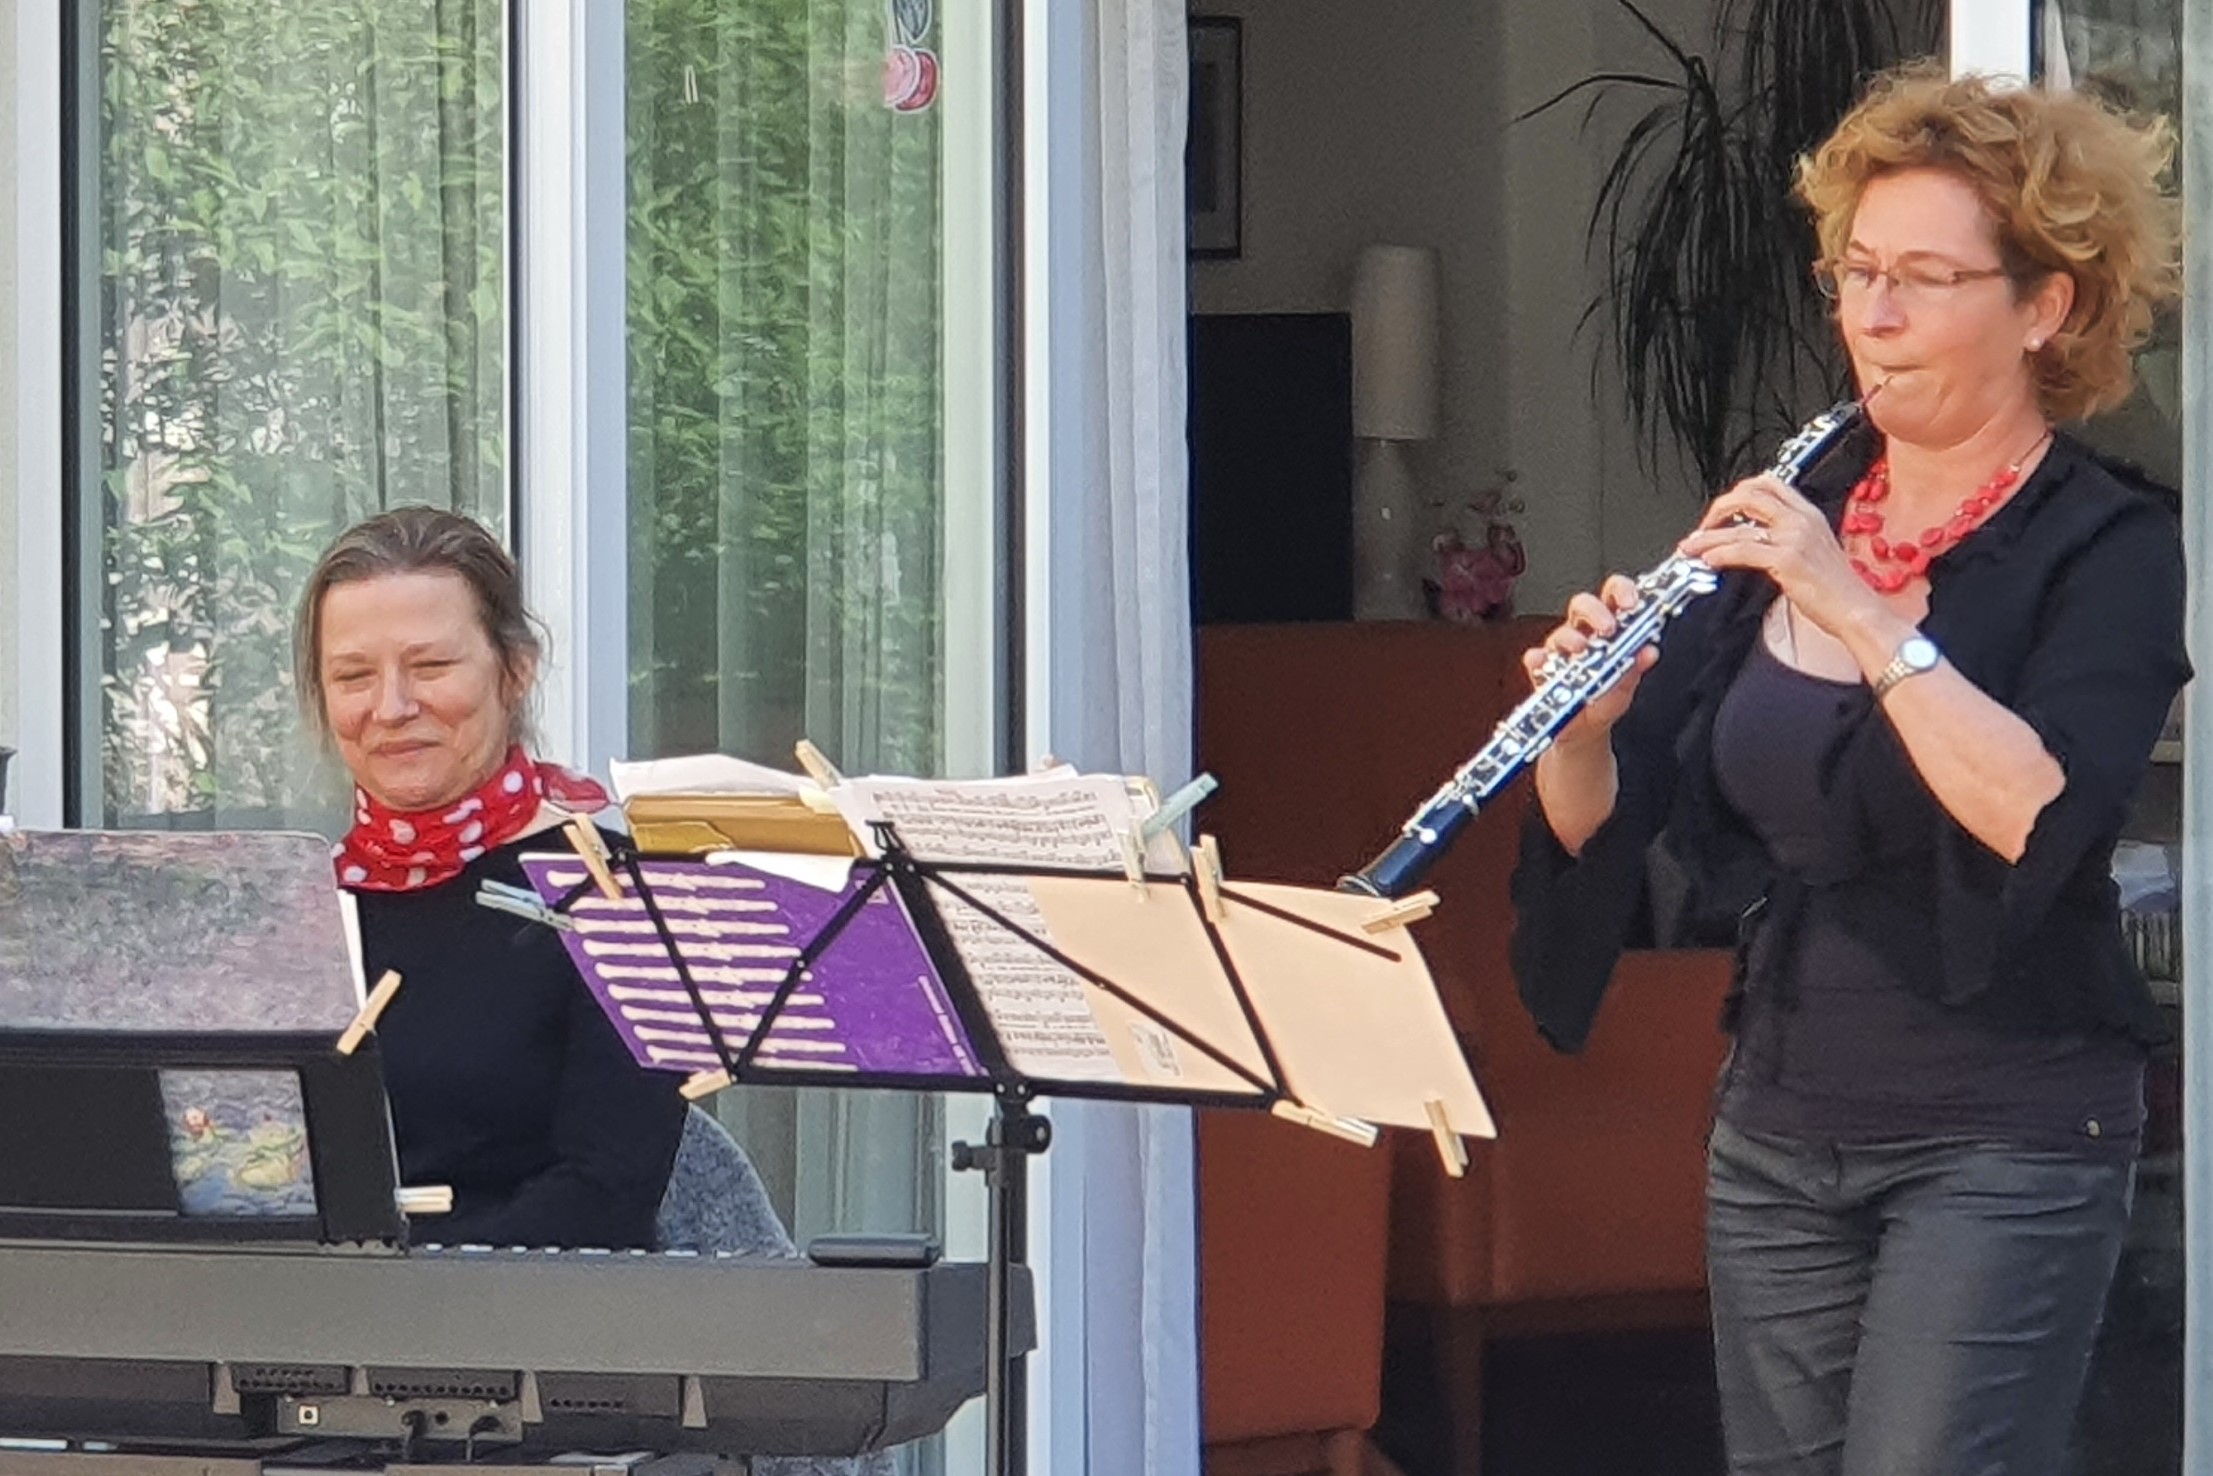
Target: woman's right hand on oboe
[(1591, 615), (1576, 777)]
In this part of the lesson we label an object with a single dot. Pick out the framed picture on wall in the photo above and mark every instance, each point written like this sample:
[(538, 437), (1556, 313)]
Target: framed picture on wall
[(1214, 148)]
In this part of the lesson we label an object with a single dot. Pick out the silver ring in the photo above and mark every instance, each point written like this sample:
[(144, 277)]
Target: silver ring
[(1760, 533)]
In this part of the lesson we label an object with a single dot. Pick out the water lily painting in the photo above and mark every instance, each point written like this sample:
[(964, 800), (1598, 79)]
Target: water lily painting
[(238, 1143)]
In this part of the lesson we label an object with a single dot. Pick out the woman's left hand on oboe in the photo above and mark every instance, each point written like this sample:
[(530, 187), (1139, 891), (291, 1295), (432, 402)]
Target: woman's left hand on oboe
[(1763, 524)]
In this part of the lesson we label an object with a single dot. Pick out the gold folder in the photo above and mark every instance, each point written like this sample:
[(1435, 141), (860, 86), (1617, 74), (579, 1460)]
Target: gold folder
[(694, 824)]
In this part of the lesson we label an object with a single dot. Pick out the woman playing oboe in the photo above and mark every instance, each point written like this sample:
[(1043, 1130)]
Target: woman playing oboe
[(1899, 743)]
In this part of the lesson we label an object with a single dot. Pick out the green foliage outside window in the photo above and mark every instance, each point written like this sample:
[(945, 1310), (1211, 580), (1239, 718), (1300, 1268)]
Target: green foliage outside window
[(785, 459), (299, 317), (786, 466)]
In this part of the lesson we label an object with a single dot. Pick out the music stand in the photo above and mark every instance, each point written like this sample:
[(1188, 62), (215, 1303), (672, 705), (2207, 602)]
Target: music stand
[(1195, 993), (169, 1004)]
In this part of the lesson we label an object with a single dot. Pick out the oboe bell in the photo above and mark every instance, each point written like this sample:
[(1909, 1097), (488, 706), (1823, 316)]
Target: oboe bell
[(1566, 684)]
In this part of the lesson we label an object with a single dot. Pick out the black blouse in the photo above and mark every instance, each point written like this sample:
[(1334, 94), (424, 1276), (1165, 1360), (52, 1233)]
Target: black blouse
[(2067, 607), (506, 1080)]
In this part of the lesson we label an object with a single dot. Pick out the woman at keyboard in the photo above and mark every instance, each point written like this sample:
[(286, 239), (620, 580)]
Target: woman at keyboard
[(416, 661)]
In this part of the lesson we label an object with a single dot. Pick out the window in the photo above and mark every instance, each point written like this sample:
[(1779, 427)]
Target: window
[(294, 305), (290, 314), (809, 309), (785, 443)]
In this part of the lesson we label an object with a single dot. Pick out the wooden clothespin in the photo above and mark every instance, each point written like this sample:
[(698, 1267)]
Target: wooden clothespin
[(1133, 860), (1206, 866), (424, 1199), (1401, 913), (371, 1008), (818, 768), (702, 1084), (1351, 1129), (818, 800), (592, 851), (1450, 1146)]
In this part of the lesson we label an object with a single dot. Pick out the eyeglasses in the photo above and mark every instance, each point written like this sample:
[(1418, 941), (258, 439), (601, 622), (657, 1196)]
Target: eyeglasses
[(1842, 281)]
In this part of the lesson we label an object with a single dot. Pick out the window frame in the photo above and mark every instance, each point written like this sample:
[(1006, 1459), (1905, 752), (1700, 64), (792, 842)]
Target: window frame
[(567, 473), (36, 776), (2002, 37), (569, 381), (1992, 36), (570, 391)]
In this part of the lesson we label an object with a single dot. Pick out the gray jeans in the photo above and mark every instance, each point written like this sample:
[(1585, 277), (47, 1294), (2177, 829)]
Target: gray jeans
[(1924, 1308)]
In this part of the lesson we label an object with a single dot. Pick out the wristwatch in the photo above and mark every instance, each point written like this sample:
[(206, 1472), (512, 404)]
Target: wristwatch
[(1916, 654)]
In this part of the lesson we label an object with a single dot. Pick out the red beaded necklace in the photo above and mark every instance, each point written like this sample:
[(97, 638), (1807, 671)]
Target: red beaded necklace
[(1896, 562)]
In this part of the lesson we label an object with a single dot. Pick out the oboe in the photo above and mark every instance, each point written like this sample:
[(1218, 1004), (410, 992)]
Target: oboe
[(1566, 684)]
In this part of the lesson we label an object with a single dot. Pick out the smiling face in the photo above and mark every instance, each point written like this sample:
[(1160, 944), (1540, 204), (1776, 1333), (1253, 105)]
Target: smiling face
[(413, 690), (1952, 350)]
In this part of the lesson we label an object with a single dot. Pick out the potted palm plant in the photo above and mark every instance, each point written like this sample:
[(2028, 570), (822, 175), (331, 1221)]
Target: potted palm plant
[(1708, 304)]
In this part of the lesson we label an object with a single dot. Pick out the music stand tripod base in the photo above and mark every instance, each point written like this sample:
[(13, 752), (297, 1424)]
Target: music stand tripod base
[(1015, 1133)]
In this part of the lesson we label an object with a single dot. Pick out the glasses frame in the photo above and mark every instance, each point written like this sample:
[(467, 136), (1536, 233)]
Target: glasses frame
[(1825, 279)]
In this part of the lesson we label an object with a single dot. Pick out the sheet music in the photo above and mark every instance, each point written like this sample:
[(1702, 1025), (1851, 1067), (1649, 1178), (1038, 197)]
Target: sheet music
[(1058, 819), (1039, 1009), (349, 913), (701, 773)]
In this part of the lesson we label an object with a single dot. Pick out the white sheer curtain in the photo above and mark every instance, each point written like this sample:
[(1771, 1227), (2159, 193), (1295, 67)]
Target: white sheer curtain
[(786, 464), (298, 319), (1124, 1232)]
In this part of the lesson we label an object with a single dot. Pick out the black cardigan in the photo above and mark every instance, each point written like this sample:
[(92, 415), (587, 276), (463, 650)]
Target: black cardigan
[(2067, 606), (506, 1080)]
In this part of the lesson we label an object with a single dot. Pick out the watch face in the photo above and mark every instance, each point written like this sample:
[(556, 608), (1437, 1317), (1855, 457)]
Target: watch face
[(1920, 653)]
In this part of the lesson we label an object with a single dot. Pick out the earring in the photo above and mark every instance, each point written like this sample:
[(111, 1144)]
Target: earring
[(2036, 345)]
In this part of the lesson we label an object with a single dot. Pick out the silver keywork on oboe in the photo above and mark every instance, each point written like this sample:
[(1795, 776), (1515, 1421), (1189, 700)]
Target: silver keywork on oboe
[(1566, 684)]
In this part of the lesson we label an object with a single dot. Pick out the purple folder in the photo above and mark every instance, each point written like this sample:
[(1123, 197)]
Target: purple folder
[(872, 1004)]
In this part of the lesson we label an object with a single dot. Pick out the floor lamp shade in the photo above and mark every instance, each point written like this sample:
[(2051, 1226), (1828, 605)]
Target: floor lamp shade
[(1394, 343)]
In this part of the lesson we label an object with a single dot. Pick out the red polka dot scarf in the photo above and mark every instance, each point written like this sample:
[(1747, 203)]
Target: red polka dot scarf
[(392, 850)]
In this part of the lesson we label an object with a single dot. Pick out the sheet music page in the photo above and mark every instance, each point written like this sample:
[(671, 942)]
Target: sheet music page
[(1053, 820), (349, 913), (701, 773), (1058, 819), (1038, 1008)]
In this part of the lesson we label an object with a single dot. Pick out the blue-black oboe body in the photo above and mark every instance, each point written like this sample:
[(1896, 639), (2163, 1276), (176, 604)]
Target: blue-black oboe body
[(1566, 684)]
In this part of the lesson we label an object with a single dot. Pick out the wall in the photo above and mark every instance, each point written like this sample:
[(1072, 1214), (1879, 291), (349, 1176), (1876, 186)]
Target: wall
[(1614, 508), (1392, 120), (1377, 121)]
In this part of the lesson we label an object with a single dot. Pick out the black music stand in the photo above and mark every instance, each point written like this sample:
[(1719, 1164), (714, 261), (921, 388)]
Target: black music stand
[(91, 1155), (1015, 1133), (169, 1008)]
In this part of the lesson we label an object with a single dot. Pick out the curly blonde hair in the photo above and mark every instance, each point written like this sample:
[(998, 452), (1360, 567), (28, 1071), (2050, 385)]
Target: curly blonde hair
[(2070, 184)]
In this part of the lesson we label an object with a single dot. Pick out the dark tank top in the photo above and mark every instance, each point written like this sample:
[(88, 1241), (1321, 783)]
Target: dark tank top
[(1850, 1053)]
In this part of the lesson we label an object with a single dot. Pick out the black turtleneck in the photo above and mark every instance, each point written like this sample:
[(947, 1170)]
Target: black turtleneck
[(506, 1081)]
